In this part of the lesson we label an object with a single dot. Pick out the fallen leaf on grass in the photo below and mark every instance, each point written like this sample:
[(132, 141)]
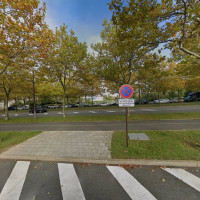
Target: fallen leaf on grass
[(163, 180), (83, 166), (125, 151)]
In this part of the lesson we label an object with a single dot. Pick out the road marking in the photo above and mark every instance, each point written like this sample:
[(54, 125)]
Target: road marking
[(16, 114), (59, 113), (3, 115), (186, 177), (148, 110), (15, 182), (45, 113), (111, 111), (70, 185), (30, 114), (133, 188), (75, 112), (92, 112)]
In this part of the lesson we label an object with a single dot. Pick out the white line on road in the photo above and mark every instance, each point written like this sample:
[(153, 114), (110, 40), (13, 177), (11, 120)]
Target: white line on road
[(186, 177), (75, 112), (16, 114), (134, 189), (15, 182), (59, 113), (3, 115), (30, 114), (111, 111), (92, 112), (70, 185), (45, 113), (148, 110)]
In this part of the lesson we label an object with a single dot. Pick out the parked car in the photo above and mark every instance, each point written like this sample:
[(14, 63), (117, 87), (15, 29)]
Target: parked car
[(176, 100), (12, 108), (104, 104), (161, 101), (113, 104), (193, 96), (141, 101), (38, 109)]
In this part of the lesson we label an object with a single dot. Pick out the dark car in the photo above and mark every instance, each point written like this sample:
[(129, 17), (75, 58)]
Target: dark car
[(141, 101), (38, 109), (193, 96), (113, 104), (12, 108)]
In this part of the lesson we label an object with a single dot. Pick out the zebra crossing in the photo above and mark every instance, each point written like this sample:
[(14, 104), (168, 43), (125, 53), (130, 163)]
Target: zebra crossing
[(25, 180)]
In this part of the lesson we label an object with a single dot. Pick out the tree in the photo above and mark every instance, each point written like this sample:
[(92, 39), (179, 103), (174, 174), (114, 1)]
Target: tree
[(120, 56), (22, 30), (8, 82), (90, 83), (65, 60), (176, 23)]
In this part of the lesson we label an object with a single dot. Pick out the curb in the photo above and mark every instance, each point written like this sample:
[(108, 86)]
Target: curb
[(163, 163)]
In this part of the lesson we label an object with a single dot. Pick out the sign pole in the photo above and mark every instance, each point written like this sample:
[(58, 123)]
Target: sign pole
[(127, 127), (126, 91)]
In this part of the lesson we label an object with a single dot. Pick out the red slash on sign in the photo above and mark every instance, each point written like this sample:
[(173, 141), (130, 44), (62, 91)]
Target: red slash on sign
[(126, 91)]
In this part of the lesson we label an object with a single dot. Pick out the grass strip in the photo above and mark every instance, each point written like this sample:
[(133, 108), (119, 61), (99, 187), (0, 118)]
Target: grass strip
[(167, 145), (153, 116), (11, 138)]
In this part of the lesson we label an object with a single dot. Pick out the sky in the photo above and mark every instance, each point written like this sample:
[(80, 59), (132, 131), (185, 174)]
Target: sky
[(84, 17)]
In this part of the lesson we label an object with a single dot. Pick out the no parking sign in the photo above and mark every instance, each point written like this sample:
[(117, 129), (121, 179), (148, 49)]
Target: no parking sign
[(126, 91)]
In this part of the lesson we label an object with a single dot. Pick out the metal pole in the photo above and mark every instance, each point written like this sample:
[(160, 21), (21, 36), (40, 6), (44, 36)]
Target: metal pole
[(127, 127)]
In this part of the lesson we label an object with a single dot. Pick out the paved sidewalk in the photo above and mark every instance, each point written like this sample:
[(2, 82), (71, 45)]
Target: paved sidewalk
[(64, 144)]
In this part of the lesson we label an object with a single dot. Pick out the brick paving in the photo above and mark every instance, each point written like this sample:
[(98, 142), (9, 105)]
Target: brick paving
[(74, 144)]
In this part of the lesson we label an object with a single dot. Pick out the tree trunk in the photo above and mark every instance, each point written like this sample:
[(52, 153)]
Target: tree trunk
[(92, 101), (16, 104), (85, 101), (4, 105), (34, 103), (6, 108), (64, 102), (139, 97)]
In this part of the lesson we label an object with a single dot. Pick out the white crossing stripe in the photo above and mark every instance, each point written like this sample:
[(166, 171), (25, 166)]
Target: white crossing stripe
[(133, 188), (70, 185), (13, 187), (185, 176)]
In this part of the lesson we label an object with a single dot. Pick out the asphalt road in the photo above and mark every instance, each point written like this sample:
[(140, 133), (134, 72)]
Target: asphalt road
[(106, 126), (118, 111), (56, 181)]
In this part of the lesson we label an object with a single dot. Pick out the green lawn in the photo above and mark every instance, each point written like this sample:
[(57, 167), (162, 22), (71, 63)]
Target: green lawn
[(168, 145), (154, 116), (12, 138)]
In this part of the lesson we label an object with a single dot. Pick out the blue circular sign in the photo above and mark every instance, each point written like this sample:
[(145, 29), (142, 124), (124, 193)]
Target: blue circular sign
[(126, 91)]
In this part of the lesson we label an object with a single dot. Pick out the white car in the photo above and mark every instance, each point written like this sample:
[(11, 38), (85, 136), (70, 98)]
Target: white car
[(161, 101), (104, 104)]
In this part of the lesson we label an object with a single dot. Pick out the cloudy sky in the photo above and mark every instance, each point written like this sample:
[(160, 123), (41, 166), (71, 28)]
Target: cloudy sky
[(85, 17)]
